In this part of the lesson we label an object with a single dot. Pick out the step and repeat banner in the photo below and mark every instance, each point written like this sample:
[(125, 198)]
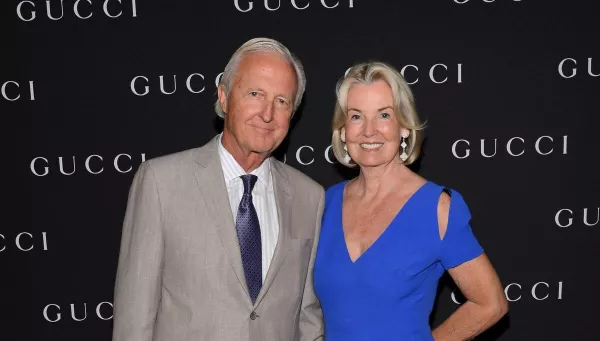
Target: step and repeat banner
[(510, 90)]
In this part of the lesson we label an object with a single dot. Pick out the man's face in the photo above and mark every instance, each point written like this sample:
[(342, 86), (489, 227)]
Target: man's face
[(260, 103)]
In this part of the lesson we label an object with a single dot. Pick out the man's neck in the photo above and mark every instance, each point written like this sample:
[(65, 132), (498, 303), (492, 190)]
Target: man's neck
[(248, 160)]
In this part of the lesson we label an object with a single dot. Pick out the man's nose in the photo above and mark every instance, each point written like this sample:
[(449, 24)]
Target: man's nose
[(267, 113)]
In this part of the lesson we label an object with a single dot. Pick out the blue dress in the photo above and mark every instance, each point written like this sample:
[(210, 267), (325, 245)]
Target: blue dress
[(389, 291)]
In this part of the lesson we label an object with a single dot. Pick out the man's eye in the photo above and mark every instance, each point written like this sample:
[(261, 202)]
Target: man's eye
[(254, 93)]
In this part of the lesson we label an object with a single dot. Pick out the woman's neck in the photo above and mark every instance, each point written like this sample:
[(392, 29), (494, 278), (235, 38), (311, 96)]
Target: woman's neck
[(376, 181)]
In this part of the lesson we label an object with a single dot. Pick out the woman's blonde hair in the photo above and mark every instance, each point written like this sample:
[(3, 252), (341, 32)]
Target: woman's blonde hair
[(404, 106)]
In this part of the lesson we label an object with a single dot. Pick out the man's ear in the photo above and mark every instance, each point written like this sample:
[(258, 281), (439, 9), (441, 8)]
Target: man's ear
[(222, 97)]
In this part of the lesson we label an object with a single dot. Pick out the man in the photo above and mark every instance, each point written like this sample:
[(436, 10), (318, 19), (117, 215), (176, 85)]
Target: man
[(219, 241)]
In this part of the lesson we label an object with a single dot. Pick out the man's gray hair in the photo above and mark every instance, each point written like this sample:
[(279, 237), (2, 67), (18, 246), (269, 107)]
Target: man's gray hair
[(265, 45)]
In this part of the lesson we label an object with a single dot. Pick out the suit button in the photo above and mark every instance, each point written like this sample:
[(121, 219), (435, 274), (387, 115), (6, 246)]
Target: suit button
[(253, 316)]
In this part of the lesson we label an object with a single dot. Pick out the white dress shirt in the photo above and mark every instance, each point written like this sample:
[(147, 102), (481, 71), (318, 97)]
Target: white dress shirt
[(263, 198)]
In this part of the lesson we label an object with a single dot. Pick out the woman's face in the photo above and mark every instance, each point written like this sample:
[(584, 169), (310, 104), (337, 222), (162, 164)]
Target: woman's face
[(372, 131)]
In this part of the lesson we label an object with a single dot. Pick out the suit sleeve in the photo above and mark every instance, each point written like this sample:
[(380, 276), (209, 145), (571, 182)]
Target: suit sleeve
[(138, 280), (311, 316)]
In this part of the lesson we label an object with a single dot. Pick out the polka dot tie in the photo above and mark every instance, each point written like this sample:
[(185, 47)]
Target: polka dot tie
[(248, 232)]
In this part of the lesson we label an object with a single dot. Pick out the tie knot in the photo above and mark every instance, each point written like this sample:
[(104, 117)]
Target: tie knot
[(249, 181)]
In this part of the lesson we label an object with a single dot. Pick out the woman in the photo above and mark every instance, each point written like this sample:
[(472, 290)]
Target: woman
[(388, 235)]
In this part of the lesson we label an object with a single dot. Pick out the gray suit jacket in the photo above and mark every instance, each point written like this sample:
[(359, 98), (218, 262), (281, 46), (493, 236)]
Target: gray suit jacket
[(180, 275)]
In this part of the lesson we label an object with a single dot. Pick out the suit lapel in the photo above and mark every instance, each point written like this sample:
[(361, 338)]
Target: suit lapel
[(284, 193), (209, 176), (210, 179)]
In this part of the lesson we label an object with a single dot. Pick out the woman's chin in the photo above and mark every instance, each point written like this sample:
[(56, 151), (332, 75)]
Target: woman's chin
[(371, 162)]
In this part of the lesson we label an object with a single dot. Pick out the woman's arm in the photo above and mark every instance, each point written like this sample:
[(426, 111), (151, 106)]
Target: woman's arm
[(479, 283), (485, 305)]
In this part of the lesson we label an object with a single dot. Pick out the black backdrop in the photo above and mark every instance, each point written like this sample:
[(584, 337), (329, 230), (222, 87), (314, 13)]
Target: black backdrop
[(509, 88)]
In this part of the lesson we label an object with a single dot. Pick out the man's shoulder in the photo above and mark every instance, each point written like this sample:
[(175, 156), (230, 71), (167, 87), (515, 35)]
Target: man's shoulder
[(171, 163), (179, 160), (299, 180), (174, 158)]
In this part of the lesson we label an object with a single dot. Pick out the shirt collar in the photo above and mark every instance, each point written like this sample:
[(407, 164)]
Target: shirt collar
[(232, 170)]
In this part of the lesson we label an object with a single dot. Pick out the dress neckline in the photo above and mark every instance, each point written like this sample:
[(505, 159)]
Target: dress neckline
[(374, 244)]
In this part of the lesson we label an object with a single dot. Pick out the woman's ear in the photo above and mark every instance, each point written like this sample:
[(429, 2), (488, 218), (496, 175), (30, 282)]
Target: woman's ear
[(404, 132)]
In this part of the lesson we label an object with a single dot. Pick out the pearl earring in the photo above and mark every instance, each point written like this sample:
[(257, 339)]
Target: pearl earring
[(403, 144), (347, 157)]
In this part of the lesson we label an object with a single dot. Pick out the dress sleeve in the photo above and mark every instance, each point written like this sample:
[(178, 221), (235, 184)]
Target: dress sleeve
[(459, 244)]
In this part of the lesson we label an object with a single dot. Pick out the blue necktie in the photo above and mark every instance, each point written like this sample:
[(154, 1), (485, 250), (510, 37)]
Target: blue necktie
[(248, 232)]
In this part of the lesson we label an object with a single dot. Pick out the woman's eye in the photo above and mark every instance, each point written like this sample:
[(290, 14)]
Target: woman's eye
[(385, 115), (355, 117)]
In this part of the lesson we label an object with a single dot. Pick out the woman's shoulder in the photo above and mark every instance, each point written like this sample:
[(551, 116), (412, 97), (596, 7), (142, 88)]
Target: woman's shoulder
[(451, 202), (334, 190), (442, 188), (337, 187)]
